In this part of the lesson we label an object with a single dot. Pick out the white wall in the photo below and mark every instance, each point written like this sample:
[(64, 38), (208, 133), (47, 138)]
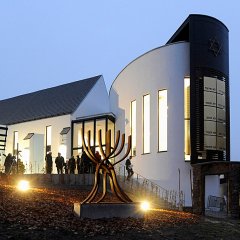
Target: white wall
[(39, 127), (37, 153), (161, 68), (96, 102)]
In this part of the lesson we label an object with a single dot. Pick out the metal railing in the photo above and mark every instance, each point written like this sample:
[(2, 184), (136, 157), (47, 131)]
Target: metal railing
[(216, 203), (138, 183)]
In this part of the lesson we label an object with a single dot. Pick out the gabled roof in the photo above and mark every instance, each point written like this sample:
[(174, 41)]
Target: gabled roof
[(55, 101)]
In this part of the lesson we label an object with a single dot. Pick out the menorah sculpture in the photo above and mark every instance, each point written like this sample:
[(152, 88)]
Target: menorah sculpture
[(105, 168)]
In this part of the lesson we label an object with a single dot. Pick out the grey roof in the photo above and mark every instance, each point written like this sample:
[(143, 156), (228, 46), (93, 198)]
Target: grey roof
[(55, 101)]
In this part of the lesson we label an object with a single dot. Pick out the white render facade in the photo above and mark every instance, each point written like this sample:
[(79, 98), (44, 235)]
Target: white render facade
[(163, 68)]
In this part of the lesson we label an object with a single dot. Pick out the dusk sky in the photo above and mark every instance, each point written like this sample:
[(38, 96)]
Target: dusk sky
[(45, 43)]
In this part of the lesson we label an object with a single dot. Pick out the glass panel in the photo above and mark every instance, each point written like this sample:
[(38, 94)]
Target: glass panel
[(214, 114), (162, 118), (221, 129), (221, 143), (221, 87), (146, 123), (77, 135), (187, 98), (210, 128), (88, 126), (221, 101), (77, 152), (111, 127), (49, 135), (210, 114), (133, 126), (2, 138), (221, 115), (187, 144), (100, 124), (210, 142), (209, 84), (15, 139), (210, 99)]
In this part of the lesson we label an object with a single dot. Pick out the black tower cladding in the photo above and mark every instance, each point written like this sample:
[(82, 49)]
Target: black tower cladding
[(209, 87)]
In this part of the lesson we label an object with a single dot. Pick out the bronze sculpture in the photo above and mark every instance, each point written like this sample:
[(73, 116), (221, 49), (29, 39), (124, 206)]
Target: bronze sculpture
[(106, 167)]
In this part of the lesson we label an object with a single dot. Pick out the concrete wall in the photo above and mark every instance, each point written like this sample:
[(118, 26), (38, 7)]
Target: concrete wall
[(161, 68)]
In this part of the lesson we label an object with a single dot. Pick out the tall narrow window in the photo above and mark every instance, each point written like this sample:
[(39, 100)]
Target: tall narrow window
[(187, 146), (48, 138), (133, 127), (162, 120), (146, 124), (15, 142)]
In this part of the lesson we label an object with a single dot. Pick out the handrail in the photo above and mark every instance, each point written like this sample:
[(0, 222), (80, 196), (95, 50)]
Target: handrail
[(168, 195)]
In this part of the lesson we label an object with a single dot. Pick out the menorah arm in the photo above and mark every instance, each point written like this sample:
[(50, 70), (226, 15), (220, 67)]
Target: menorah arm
[(127, 152), (104, 187), (89, 148), (119, 192), (95, 186), (100, 144), (89, 154), (116, 143), (121, 147)]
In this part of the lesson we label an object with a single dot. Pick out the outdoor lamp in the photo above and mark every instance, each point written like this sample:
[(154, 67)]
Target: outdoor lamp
[(145, 206), (23, 185)]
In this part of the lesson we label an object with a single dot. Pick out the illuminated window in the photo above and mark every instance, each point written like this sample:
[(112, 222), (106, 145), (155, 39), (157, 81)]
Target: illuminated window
[(187, 146), (111, 127), (133, 127), (89, 126), (146, 124), (162, 120), (103, 123), (100, 125), (48, 138), (15, 142)]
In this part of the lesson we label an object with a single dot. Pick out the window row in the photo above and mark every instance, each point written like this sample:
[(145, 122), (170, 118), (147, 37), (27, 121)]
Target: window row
[(146, 122)]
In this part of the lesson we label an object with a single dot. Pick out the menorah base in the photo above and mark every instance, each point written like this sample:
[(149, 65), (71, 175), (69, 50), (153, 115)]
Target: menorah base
[(108, 210)]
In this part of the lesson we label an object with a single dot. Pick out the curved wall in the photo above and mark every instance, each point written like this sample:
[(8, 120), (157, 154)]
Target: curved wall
[(161, 68)]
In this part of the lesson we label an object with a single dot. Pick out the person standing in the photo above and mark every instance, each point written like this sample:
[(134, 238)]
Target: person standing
[(66, 167), (129, 167), (8, 163), (49, 163), (72, 165), (79, 165), (59, 161), (84, 159)]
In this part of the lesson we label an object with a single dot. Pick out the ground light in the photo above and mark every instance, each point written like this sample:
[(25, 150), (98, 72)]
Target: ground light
[(23, 185), (145, 206)]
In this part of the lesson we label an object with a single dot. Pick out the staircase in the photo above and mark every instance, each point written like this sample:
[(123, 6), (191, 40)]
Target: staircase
[(140, 188)]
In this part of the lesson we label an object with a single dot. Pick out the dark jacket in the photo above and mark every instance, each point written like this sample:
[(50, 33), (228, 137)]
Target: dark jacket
[(59, 162)]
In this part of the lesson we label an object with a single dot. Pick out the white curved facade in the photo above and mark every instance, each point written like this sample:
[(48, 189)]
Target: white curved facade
[(159, 69)]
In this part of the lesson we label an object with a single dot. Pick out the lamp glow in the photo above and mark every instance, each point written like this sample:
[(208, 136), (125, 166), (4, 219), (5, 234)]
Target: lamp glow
[(145, 206), (23, 185)]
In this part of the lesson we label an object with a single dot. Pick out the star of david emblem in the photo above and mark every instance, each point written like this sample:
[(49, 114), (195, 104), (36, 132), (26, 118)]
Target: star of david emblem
[(215, 46)]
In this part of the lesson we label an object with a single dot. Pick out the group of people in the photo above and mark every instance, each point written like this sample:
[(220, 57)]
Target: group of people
[(83, 164)]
